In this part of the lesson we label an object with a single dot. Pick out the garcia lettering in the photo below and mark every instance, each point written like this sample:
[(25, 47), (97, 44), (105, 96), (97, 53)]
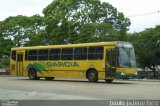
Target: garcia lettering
[(62, 64)]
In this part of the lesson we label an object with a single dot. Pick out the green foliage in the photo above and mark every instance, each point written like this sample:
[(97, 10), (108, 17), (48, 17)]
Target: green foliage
[(5, 45), (77, 21), (148, 54), (72, 21), (22, 30), (5, 62)]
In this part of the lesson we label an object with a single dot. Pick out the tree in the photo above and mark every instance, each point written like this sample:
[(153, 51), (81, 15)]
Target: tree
[(22, 30), (77, 21), (145, 43)]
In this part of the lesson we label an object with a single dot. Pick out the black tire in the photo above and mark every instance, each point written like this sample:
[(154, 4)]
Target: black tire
[(92, 76), (108, 81), (49, 78), (33, 75)]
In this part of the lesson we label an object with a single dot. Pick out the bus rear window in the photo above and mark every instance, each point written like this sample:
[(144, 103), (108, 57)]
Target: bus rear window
[(14, 55)]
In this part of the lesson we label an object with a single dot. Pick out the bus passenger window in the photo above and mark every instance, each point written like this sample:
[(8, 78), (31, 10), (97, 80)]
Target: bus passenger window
[(95, 53), (54, 54), (43, 54), (67, 54), (80, 54), (32, 55)]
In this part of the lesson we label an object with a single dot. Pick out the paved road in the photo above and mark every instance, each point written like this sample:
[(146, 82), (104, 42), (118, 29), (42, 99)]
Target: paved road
[(21, 88)]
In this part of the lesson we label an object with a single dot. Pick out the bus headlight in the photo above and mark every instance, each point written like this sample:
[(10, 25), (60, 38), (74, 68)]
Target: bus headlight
[(123, 73), (136, 73)]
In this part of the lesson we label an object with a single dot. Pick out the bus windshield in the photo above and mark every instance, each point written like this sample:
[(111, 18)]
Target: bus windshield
[(127, 57)]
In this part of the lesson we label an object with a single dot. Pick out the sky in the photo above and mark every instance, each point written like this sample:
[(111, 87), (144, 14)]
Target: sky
[(142, 13)]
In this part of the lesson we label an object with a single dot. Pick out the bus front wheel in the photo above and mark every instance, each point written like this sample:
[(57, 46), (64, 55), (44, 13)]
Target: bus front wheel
[(33, 75), (92, 76)]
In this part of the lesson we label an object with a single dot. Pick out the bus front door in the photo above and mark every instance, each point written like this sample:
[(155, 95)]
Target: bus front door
[(111, 63), (19, 69)]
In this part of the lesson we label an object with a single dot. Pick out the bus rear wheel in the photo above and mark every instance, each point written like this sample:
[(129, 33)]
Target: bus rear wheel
[(49, 78), (92, 76), (108, 80), (33, 74)]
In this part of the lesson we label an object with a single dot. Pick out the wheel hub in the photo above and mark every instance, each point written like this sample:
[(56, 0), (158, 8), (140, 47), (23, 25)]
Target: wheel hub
[(91, 76)]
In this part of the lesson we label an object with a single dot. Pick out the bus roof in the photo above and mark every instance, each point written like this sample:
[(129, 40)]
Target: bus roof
[(68, 45)]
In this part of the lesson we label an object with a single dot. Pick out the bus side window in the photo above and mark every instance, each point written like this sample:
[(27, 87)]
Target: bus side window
[(14, 55), (32, 55), (80, 54), (43, 54), (54, 54), (95, 53), (67, 54)]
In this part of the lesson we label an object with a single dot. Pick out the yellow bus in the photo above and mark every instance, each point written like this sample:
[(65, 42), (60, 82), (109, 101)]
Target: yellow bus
[(94, 61)]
